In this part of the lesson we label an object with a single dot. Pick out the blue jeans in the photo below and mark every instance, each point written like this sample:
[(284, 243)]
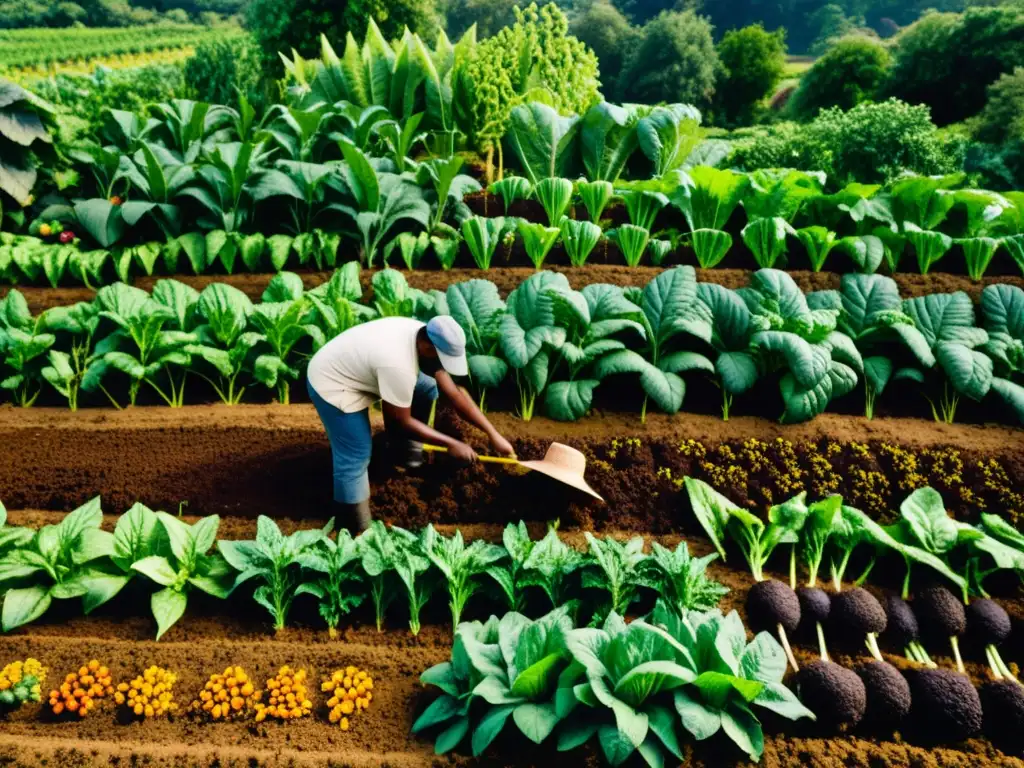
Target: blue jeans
[(351, 440)]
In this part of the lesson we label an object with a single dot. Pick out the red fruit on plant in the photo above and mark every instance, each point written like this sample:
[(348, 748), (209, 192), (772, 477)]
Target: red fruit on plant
[(67, 236)]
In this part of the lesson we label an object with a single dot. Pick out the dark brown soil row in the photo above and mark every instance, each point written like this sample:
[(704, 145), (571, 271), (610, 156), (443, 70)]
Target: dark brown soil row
[(507, 278), (249, 460), (214, 635)]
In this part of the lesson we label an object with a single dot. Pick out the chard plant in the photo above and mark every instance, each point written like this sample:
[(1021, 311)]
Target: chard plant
[(709, 196), (871, 314), (508, 572), (710, 246), (822, 517), (510, 189), (478, 308), (187, 565), (632, 241), (396, 552), (67, 370), (24, 348), (274, 561), (46, 567), (460, 565), (617, 569), (412, 248), (579, 238), (682, 580), (554, 195), (736, 366), (928, 245), (550, 566), (595, 196), (336, 563), (629, 674), (767, 240), (137, 535), (519, 666), (643, 207), (818, 242), (591, 318), (482, 236), (668, 312), (538, 240), (732, 677)]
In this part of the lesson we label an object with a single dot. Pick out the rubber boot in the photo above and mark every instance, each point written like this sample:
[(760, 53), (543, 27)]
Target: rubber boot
[(354, 517)]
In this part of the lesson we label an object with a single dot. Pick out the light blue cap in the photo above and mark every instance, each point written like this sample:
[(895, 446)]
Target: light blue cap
[(449, 340)]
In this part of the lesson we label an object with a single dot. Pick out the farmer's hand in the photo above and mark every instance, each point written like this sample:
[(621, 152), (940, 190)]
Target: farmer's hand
[(462, 452), (502, 446)]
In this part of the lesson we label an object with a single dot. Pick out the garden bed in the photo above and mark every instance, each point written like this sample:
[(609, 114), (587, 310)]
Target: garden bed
[(274, 460), (507, 278), (208, 639)]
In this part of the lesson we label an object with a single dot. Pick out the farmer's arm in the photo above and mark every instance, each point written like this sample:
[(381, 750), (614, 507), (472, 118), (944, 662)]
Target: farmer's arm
[(467, 409), (403, 419)]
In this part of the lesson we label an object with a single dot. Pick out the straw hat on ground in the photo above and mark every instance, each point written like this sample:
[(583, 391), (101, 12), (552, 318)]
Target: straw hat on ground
[(564, 464)]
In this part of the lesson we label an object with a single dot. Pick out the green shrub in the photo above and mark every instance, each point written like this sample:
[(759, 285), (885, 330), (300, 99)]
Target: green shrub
[(675, 62), (560, 70), (844, 77), (221, 69), (603, 28), (871, 143), (1003, 116), (280, 25), (947, 61), (753, 62)]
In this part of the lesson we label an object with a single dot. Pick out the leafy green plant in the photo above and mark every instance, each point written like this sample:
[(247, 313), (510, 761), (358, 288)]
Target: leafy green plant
[(1002, 312), (23, 346), (544, 141), (766, 239), (579, 239), (188, 565), (659, 249), (508, 571), (978, 254), (710, 246), (667, 135), (632, 241), (643, 207), (617, 569), (482, 236), (280, 325), (411, 247), (336, 563), (478, 308), (12, 536), (682, 580), (822, 517), (67, 370), (510, 189), (929, 246), (46, 567), (818, 242), (395, 551), (459, 564), (708, 196), (736, 365), (550, 565), (608, 138), (274, 560), (595, 196), (538, 240), (554, 195), (449, 186)]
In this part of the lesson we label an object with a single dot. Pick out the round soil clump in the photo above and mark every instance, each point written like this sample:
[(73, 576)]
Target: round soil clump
[(815, 605), (1002, 702), (770, 603), (987, 622), (834, 693), (946, 707), (856, 612), (940, 613), (901, 627), (888, 694)]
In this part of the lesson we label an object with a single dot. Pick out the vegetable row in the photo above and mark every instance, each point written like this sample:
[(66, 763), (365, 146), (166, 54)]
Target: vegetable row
[(228, 696), (547, 342)]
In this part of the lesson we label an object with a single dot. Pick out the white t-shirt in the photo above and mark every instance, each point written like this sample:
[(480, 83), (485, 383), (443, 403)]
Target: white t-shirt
[(373, 361)]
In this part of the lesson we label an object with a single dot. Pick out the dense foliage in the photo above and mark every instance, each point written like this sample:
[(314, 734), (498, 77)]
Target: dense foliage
[(16, 14), (547, 344), (753, 63), (220, 70), (848, 74)]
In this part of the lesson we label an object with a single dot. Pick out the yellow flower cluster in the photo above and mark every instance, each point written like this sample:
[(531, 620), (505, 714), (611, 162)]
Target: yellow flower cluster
[(351, 690), (630, 444), (17, 671), (227, 696), (79, 691), (287, 699), (149, 695)]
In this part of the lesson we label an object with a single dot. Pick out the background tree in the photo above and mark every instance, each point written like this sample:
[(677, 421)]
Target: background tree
[(602, 27), (674, 62), (850, 73), (947, 61), (488, 15), (280, 25), (221, 69), (1003, 116), (753, 64)]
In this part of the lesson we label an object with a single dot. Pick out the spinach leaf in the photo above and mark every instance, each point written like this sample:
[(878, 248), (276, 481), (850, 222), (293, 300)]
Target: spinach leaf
[(338, 563), (459, 565)]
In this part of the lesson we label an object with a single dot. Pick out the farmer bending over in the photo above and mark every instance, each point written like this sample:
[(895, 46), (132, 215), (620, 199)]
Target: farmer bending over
[(403, 363)]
